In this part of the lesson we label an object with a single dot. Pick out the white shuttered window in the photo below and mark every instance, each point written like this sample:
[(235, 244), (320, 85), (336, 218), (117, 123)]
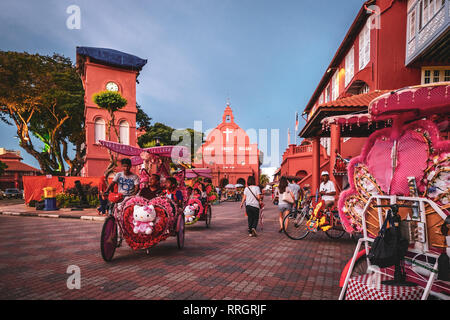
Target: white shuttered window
[(124, 132), (99, 129), (335, 84), (349, 66), (364, 47)]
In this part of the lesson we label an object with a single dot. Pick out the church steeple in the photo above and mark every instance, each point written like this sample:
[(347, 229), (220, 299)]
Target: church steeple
[(228, 116)]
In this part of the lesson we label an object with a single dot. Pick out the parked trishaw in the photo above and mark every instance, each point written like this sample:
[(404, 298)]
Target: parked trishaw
[(401, 181), (231, 192), (199, 209), (141, 222), (239, 191)]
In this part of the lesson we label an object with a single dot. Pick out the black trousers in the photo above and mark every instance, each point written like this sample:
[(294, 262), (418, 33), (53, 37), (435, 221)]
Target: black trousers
[(253, 217)]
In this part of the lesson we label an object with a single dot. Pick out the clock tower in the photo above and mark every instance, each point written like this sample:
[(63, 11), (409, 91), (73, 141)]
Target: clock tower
[(107, 70)]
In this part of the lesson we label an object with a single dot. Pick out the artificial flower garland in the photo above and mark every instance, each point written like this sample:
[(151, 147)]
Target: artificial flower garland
[(199, 211), (164, 222)]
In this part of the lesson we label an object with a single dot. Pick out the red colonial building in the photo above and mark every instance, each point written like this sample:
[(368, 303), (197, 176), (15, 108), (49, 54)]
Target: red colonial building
[(12, 178), (391, 44), (229, 153)]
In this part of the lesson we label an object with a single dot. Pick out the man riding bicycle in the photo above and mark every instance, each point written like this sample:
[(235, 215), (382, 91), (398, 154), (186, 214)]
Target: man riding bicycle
[(127, 182), (327, 190)]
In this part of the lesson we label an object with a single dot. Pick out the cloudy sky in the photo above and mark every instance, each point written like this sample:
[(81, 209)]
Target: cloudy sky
[(267, 56)]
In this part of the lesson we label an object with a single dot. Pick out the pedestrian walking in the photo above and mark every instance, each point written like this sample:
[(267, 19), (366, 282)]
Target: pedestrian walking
[(285, 201), (295, 188), (219, 192), (252, 200), (103, 199)]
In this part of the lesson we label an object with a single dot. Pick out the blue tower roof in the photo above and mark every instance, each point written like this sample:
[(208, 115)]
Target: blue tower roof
[(113, 57)]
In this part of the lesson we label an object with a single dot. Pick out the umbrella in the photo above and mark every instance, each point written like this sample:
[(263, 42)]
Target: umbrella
[(229, 186), (239, 185)]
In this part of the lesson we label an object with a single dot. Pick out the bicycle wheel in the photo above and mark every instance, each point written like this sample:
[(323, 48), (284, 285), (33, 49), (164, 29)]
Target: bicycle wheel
[(294, 226), (337, 231), (208, 217), (108, 240)]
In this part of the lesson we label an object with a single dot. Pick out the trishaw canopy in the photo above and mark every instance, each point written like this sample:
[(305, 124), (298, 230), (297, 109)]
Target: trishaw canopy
[(198, 172), (177, 153)]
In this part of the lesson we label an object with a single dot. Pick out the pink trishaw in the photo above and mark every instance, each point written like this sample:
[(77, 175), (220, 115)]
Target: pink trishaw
[(199, 209), (144, 223), (403, 170)]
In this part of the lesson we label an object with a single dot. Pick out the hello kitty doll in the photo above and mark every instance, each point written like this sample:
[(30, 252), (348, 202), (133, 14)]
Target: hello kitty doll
[(189, 214), (144, 217)]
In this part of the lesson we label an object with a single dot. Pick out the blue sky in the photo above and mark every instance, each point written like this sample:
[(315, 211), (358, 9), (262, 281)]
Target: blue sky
[(267, 56)]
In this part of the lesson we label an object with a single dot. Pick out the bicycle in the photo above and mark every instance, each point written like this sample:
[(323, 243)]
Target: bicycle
[(297, 225)]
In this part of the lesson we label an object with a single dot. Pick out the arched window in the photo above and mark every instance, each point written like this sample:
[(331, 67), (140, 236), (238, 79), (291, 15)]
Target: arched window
[(99, 129), (301, 174), (124, 132)]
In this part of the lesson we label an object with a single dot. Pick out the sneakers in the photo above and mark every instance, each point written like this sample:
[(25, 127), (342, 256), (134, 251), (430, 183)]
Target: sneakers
[(254, 232)]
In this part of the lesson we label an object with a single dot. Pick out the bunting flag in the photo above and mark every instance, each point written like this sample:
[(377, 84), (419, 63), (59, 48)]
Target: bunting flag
[(289, 136)]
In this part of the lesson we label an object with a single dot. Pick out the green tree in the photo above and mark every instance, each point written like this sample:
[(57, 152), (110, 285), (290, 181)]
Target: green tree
[(157, 131), (166, 136), (3, 167), (264, 180), (43, 97), (111, 102), (143, 121)]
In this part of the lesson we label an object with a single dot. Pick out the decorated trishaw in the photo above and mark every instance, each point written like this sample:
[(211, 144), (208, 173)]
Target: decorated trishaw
[(401, 180), (199, 208), (142, 222)]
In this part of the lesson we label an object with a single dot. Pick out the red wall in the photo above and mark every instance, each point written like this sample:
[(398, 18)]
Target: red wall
[(390, 52), (386, 69)]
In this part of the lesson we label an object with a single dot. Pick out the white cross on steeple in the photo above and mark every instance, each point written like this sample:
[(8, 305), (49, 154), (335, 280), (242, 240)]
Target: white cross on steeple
[(227, 132)]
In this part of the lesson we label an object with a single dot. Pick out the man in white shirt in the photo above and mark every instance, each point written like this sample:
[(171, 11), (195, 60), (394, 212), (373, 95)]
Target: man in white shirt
[(252, 199), (327, 190)]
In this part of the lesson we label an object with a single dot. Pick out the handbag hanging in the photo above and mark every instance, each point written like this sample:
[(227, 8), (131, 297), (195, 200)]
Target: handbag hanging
[(388, 248), (286, 197)]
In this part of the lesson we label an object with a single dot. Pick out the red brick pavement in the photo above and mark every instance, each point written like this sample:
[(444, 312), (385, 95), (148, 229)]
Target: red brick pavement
[(219, 263)]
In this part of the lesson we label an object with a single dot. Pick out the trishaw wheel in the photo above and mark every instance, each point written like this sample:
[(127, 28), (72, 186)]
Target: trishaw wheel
[(360, 267), (180, 232), (108, 240), (208, 217), (337, 231)]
